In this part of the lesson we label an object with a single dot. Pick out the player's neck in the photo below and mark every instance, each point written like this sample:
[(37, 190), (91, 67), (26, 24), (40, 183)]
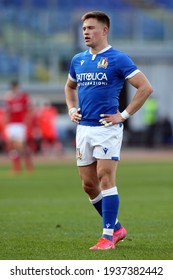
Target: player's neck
[(95, 51), (99, 48)]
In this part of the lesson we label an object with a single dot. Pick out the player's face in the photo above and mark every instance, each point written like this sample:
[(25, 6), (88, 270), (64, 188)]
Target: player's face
[(94, 32)]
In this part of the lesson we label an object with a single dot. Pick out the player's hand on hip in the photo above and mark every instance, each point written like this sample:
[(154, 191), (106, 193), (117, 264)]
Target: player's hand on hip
[(111, 119), (75, 116)]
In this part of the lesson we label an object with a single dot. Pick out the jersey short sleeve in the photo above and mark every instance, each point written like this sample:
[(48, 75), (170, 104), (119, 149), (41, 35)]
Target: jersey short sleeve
[(127, 67)]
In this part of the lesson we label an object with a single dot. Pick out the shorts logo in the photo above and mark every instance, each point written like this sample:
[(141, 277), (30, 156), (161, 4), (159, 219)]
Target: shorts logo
[(78, 154), (103, 63), (105, 150)]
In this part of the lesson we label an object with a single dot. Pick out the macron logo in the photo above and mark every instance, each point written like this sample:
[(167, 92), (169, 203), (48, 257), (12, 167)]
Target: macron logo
[(105, 150), (82, 62), (108, 225)]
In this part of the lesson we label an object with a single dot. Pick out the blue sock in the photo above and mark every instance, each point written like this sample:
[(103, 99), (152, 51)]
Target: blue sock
[(110, 205), (97, 203), (117, 225)]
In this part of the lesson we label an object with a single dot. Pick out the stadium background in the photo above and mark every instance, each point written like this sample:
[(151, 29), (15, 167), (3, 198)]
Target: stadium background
[(39, 37)]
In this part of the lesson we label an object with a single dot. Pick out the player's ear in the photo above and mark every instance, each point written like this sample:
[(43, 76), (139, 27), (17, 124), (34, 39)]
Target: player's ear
[(105, 30)]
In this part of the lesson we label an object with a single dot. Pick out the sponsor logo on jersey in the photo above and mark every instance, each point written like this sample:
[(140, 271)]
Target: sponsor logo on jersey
[(92, 79), (82, 77), (103, 63), (82, 62)]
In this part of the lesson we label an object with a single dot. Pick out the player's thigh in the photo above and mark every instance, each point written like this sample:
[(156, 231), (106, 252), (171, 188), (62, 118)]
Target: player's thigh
[(107, 142), (90, 182), (88, 174), (84, 149), (106, 173)]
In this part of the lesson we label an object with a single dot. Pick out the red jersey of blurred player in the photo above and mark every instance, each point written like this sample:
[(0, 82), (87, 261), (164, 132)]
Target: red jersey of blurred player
[(18, 110), (17, 107), (2, 124), (47, 116)]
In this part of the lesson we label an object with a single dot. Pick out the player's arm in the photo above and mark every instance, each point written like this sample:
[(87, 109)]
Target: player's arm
[(7, 112), (71, 94), (71, 100), (29, 110), (144, 89), (6, 117)]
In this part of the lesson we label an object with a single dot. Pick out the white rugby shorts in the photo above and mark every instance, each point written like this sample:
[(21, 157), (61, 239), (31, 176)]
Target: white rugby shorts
[(98, 142), (16, 131)]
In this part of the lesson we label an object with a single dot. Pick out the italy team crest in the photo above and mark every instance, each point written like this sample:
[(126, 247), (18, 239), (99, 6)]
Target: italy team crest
[(78, 154), (103, 63)]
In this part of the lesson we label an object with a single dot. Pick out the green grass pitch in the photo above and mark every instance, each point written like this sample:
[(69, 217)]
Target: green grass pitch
[(47, 216)]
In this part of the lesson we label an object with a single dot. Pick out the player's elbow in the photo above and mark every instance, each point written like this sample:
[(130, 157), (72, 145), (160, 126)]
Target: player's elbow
[(149, 90)]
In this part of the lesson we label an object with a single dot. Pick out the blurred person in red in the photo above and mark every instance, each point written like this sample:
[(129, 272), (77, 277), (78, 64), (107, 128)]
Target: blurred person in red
[(34, 132), (47, 117), (18, 115), (2, 126)]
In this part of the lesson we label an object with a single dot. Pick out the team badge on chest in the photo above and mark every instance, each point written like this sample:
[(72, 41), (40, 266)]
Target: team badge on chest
[(103, 63)]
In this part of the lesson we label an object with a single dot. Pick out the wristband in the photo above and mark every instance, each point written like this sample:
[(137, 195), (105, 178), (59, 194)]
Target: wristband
[(125, 115), (71, 111)]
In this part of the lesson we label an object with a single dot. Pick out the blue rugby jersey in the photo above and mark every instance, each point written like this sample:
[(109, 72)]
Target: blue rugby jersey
[(100, 79)]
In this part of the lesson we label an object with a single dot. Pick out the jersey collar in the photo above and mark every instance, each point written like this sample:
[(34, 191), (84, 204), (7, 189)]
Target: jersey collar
[(102, 51)]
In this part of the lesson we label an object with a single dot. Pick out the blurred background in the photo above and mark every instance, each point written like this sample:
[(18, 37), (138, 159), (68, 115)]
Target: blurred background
[(39, 37)]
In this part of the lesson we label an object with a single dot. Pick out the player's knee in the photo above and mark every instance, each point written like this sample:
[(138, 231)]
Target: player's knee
[(105, 180), (89, 186)]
